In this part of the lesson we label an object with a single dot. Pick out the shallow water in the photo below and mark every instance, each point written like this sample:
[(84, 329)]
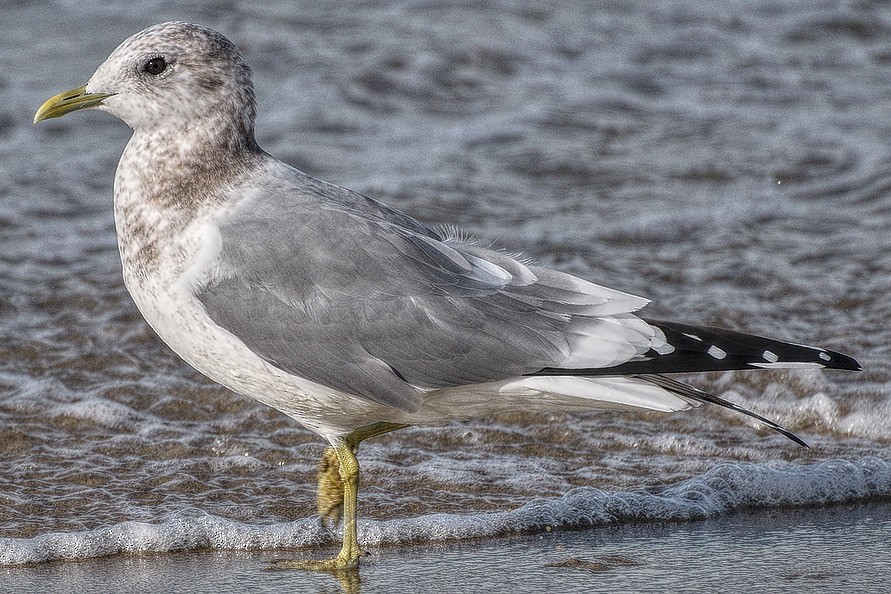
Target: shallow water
[(784, 551), (728, 161)]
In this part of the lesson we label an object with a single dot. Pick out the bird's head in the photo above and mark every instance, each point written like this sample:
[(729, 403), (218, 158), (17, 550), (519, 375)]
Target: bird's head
[(168, 76)]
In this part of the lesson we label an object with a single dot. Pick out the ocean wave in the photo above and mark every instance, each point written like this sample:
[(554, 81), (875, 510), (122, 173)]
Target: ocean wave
[(725, 488)]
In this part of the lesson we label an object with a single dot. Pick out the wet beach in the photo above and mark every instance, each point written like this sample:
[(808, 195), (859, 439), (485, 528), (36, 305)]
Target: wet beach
[(728, 161)]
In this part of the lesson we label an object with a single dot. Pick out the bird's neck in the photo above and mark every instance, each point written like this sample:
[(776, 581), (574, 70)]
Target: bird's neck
[(166, 180)]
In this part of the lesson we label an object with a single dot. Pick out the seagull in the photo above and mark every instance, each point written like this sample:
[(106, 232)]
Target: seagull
[(345, 314)]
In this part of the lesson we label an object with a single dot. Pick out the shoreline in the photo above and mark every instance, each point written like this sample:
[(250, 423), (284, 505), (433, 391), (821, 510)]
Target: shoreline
[(785, 550)]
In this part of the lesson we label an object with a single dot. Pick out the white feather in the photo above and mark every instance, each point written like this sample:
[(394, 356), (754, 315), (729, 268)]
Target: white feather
[(615, 393), (608, 341)]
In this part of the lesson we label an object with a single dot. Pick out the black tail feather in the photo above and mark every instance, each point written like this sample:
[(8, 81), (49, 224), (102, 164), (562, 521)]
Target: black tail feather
[(697, 395), (691, 349)]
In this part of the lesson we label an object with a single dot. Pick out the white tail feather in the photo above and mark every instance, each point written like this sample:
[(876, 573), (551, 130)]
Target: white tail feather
[(613, 393)]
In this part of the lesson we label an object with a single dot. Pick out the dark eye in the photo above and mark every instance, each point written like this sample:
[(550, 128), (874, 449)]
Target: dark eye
[(155, 66)]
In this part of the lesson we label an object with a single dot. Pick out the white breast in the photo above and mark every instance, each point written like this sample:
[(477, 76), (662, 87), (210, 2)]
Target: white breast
[(164, 288)]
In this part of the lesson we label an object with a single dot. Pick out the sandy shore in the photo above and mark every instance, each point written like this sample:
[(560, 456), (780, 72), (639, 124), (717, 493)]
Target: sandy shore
[(842, 548)]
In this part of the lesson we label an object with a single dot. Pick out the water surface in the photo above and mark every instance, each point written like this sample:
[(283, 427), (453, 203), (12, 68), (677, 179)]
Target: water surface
[(728, 160)]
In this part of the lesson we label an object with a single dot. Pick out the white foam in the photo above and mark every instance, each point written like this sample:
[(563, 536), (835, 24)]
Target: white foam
[(871, 424), (726, 487), (101, 412), (192, 530)]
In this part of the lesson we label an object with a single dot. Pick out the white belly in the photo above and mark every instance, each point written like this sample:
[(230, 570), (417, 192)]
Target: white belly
[(165, 295)]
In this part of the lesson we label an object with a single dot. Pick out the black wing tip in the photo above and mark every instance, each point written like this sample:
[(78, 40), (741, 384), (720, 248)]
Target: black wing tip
[(753, 347), (789, 435), (697, 349), (841, 361)]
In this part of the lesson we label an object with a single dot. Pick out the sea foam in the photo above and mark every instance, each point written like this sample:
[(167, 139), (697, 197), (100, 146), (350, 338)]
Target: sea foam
[(723, 489)]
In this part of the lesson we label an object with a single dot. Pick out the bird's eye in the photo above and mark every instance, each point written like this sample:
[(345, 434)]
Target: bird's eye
[(155, 66)]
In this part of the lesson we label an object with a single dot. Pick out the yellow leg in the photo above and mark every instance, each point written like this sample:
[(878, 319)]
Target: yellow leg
[(329, 493), (339, 479), (348, 558)]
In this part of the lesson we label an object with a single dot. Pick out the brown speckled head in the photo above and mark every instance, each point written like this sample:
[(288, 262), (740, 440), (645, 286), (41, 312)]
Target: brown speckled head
[(173, 76), (186, 91)]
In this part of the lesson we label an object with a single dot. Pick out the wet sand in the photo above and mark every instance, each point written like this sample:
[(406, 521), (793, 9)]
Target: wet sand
[(840, 548)]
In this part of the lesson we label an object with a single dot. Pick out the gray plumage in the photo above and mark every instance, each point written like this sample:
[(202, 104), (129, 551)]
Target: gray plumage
[(406, 309), (339, 310)]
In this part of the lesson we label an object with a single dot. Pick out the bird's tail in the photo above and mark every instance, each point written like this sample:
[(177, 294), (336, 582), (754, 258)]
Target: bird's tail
[(690, 349), (682, 348), (689, 392)]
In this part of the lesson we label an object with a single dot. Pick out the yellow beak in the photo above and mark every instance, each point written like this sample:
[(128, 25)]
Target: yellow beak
[(69, 101)]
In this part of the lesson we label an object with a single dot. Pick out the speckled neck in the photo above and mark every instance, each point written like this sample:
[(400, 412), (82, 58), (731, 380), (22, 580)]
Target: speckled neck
[(168, 178)]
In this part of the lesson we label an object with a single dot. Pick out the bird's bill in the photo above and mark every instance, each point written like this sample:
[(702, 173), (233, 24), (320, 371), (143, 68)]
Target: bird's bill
[(69, 101)]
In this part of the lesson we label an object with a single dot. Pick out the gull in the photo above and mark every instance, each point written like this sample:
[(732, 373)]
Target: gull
[(349, 316)]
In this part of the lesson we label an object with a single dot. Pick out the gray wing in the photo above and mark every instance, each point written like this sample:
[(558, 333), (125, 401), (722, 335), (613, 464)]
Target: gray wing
[(352, 297)]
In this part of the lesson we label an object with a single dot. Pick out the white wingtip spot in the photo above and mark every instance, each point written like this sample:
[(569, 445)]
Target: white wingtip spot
[(770, 357), (716, 352), (825, 356)]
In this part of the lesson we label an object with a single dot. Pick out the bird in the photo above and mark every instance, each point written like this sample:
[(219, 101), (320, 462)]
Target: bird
[(347, 315)]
